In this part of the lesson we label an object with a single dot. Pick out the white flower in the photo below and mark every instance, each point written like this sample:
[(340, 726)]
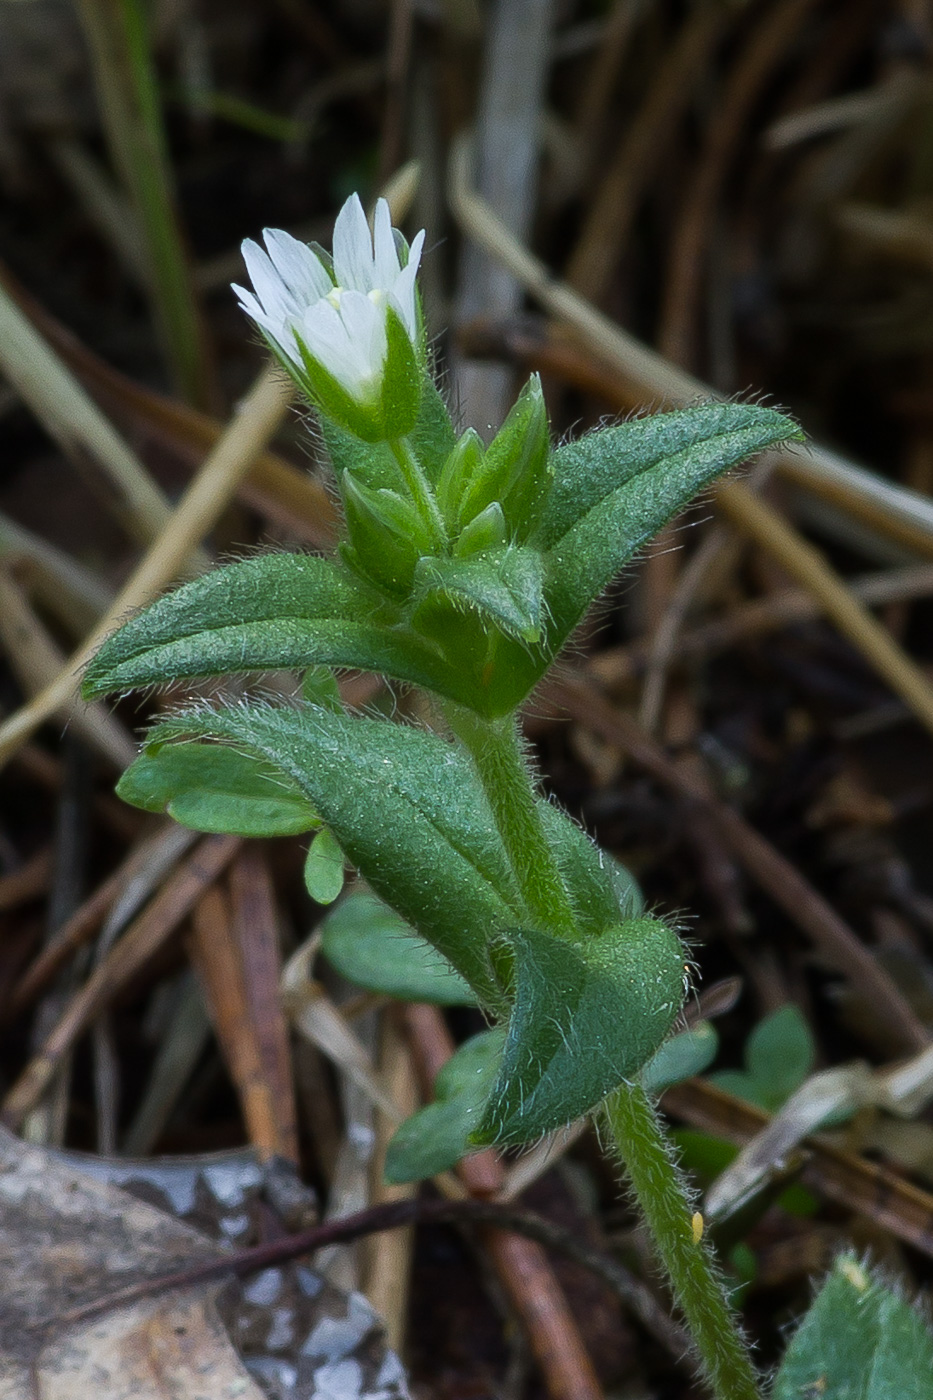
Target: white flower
[(339, 319)]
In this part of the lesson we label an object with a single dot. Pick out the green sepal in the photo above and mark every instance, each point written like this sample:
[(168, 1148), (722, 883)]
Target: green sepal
[(504, 587), (586, 1016), (432, 439), (212, 788), (373, 947), (324, 868), (860, 1340), (406, 809), (363, 418), (387, 536), (462, 463), (485, 531), (437, 1137), (515, 469), (402, 379)]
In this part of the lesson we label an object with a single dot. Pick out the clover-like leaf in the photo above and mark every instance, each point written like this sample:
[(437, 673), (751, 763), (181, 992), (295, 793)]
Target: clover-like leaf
[(373, 947), (219, 790), (438, 1136), (586, 1016)]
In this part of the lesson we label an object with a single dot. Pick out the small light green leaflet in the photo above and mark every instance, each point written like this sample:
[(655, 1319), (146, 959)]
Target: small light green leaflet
[(681, 1058), (859, 1341), (779, 1054), (586, 1016), (405, 807), (213, 788), (438, 1136), (370, 945), (324, 868)]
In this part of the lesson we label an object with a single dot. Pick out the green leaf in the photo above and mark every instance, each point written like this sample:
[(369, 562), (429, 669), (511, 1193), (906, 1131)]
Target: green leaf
[(681, 1058), (859, 1341), (615, 489), (370, 945), (387, 537), (216, 789), (438, 1136), (586, 1016), (324, 869), (405, 807), (779, 1054), (272, 612), (601, 891), (503, 586), (591, 469)]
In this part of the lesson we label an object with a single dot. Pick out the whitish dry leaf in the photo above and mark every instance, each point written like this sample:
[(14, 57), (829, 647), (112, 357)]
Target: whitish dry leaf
[(66, 1239), (69, 1235)]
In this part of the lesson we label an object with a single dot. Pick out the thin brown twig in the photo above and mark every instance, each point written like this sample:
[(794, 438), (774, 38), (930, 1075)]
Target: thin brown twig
[(520, 1264), (610, 216), (395, 1215), (687, 258), (868, 1188), (140, 942), (783, 882)]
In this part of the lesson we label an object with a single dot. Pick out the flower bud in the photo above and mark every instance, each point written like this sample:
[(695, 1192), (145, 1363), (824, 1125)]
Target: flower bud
[(347, 329), (387, 535), (515, 469)]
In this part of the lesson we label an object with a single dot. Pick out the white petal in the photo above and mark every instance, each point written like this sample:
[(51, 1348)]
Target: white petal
[(270, 290), (385, 255), (402, 298), (297, 266), (342, 340), (353, 248)]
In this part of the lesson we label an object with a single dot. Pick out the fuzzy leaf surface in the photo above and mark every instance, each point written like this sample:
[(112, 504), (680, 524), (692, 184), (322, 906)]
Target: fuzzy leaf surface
[(859, 1341), (404, 806), (586, 1016), (277, 611), (614, 490), (219, 790), (373, 463)]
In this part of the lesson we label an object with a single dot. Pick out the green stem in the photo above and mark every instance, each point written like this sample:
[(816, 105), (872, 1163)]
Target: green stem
[(497, 753), (420, 491), (646, 1154)]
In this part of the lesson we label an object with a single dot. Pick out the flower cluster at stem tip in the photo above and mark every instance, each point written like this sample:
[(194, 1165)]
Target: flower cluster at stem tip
[(348, 328)]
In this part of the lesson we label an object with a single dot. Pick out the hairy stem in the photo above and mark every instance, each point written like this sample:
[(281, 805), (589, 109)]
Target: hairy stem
[(496, 750), (420, 491), (646, 1154)]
